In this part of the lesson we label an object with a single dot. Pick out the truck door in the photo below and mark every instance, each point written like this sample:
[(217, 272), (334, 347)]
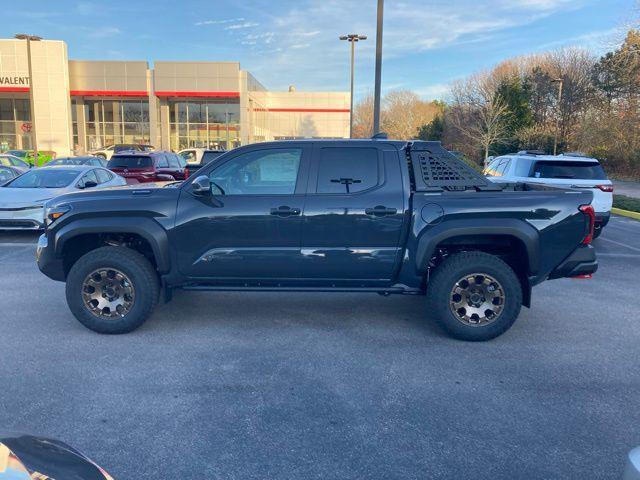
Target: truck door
[(354, 213), (250, 227)]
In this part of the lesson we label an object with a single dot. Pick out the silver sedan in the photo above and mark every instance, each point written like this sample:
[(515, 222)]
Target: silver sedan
[(22, 199)]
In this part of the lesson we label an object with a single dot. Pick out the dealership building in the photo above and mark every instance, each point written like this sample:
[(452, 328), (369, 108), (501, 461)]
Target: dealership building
[(83, 105)]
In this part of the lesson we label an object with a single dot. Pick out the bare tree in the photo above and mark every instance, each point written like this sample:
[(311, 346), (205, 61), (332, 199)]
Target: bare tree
[(405, 112), (478, 112), (363, 117)]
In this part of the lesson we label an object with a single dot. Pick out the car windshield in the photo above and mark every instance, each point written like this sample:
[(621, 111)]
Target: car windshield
[(69, 161), (568, 169), (17, 153), (45, 179), (126, 148), (129, 161)]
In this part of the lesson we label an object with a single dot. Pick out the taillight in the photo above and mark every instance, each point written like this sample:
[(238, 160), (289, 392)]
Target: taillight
[(605, 188), (186, 173), (591, 214)]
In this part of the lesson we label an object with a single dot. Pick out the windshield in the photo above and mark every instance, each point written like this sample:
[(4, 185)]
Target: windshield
[(68, 161), (17, 153), (130, 161), (45, 179), (574, 170)]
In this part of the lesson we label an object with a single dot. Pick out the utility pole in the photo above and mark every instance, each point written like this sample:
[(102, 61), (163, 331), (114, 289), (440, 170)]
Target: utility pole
[(352, 38), (376, 97), (560, 82), (34, 138)]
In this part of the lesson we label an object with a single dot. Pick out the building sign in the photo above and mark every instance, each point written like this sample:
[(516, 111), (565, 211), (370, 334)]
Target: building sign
[(26, 127), (13, 81)]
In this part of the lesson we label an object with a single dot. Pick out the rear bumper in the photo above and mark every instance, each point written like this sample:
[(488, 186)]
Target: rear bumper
[(581, 262)]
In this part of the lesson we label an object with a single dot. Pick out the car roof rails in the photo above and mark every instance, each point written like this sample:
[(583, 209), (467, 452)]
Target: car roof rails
[(532, 152), (380, 136), (575, 154)]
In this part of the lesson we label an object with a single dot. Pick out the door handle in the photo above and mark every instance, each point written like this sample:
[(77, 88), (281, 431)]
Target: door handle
[(380, 211), (285, 211)]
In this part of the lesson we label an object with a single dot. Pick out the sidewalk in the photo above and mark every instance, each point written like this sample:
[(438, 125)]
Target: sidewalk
[(629, 189)]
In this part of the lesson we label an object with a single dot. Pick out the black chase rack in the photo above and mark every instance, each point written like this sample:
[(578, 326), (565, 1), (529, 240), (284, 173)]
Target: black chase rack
[(436, 169)]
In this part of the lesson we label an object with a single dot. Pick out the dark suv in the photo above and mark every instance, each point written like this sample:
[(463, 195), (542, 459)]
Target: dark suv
[(144, 167)]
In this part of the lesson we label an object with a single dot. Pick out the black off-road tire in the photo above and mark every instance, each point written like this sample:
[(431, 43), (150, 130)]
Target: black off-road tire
[(597, 232), (449, 272), (136, 267)]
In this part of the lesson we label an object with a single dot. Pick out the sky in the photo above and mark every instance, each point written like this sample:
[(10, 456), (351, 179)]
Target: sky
[(427, 43)]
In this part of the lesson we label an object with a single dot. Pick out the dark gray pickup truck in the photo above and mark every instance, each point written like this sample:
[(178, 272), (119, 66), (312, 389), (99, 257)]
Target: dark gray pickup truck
[(350, 215)]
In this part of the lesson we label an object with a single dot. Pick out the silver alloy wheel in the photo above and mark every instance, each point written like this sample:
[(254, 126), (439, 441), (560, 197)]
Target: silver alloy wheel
[(477, 299), (108, 293)]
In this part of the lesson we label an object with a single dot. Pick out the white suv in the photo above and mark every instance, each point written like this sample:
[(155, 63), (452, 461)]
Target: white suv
[(569, 170)]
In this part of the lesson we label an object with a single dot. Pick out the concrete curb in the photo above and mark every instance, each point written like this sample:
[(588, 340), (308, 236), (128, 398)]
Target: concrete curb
[(626, 213)]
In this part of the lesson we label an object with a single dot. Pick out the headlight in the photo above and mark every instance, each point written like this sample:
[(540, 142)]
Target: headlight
[(51, 214)]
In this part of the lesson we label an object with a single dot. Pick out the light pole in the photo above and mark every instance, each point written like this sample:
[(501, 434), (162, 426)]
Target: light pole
[(34, 138), (560, 82), (352, 38), (376, 97)]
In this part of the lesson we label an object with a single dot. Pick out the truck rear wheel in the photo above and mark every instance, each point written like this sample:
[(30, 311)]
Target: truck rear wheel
[(112, 290), (474, 296)]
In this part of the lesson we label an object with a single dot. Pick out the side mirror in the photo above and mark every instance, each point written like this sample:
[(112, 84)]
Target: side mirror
[(90, 184), (201, 185)]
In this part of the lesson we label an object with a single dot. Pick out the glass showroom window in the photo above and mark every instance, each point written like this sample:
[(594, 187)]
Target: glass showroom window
[(117, 121), (15, 120), (204, 124)]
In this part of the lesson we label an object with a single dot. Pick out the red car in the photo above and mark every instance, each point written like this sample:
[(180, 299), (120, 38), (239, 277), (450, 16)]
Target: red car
[(144, 167)]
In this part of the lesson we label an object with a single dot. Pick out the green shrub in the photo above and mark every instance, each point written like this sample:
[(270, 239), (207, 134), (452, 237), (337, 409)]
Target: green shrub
[(626, 203)]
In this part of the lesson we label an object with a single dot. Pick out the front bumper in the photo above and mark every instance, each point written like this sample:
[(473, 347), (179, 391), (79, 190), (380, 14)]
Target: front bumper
[(22, 219), (48, 264), (581, 262)]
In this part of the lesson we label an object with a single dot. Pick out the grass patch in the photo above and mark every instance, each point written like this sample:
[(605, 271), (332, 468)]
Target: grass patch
[(626, 203)]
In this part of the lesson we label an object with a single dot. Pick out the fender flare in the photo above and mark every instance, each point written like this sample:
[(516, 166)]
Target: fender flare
[(430, 238), (146, 227)]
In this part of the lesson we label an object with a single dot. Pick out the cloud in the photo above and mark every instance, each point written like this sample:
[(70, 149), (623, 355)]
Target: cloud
[(104, 32), (237, 26), (219, 22), (413, 29)]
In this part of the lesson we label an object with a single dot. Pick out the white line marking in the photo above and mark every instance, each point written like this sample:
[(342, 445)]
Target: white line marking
[(617, 255), (20, 244), (620, 244)]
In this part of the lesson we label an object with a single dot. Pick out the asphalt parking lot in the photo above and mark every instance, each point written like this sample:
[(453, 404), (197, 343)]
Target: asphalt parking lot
[(348, 386)]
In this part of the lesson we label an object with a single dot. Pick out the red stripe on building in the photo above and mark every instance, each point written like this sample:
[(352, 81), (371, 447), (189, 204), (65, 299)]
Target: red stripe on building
[(14, 89), (305, 110), (198, 94), (108, 93)]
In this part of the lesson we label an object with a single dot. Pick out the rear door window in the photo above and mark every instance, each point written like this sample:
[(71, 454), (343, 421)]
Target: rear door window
[(347, 170), (130, 161), (522, 167), (173, 160), (162, 161), (569, 169)]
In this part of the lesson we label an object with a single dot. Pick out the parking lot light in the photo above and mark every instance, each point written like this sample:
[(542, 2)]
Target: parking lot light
[(34, 138), (352, 38)]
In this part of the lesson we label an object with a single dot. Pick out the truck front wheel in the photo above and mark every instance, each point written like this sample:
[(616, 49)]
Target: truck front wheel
[(112, 290), (474, 296)]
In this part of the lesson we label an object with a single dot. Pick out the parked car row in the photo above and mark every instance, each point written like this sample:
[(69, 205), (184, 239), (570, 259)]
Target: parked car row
[(23, 191)]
